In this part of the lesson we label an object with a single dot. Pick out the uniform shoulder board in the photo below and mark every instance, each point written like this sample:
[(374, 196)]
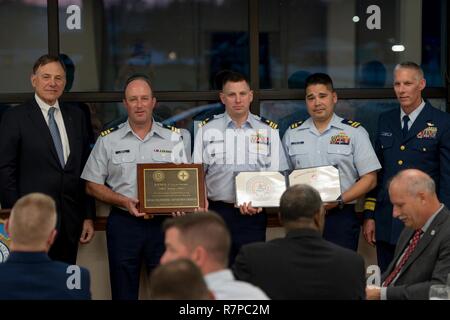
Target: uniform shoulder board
[(271, 124), (108, 131), (172, 128), (296, 124), (202, 123), (351, 123)]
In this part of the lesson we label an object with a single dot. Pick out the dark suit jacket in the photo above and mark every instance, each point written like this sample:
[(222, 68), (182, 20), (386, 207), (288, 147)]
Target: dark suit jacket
[(302, 266), (32, 275), (428, 264), (429, 154), (29, 163)]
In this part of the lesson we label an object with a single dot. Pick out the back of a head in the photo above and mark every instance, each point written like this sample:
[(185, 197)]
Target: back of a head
[(300, 201), (232, 76), (32, 219), (179, 279), (319, 78), (206, 229)]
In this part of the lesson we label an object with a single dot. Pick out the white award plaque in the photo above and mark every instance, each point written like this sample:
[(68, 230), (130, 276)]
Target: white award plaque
[(324, 179), (262, 188)]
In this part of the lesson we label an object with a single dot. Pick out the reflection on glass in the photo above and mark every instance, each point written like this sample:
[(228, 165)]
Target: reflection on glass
[(180, 45), (183, 115), (23, 35), (352, 40), (286, 112)]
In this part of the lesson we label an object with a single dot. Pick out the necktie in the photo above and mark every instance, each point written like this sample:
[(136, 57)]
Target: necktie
[(54, 131), (405, 126), (409, 250)]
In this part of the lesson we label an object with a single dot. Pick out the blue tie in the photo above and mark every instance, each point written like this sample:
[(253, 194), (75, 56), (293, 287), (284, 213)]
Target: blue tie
[(405, 126), (54, 131)]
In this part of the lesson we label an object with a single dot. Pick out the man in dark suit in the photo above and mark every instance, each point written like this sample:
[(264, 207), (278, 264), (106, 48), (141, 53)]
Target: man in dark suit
[(302, 265), (422, 255), (423, 143), (29, 273), (44, 146)]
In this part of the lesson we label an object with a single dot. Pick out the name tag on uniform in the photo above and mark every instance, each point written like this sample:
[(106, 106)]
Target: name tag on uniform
[(297, 142), (163, 155), (341, 138), (122, 151), (386, 134)]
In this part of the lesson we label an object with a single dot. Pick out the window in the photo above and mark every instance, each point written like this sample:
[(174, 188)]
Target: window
[(23, 35)]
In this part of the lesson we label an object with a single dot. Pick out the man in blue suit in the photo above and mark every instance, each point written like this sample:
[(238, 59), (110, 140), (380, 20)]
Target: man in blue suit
[(28, 273), (416, 135)]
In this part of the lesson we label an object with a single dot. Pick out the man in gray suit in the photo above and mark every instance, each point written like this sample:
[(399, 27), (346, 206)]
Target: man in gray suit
[(422, 255)]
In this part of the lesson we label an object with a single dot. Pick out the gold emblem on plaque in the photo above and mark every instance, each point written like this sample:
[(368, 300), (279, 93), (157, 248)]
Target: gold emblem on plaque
[(158, 176), (183, 175)]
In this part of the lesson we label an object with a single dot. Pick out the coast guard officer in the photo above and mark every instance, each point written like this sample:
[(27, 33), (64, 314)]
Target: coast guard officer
[(232, 142), (327, 139), (110, 173), (414, 136)]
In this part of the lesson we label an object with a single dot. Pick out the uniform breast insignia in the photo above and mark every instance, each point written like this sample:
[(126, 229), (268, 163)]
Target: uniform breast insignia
[(271, 124), (259, 138), (341, 138), (4, 242), (351, 123), (428, 133), (202, 123), (296, 124), (171, 128), (108, 131)]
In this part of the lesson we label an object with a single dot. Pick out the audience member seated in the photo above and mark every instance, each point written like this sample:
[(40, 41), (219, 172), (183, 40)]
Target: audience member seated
[(179, 279), (29, 273), (302, 265), (422, 254), (205, 239)]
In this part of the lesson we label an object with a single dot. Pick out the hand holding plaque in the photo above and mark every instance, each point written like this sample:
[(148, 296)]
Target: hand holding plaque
[(264, 189), (166, 188)]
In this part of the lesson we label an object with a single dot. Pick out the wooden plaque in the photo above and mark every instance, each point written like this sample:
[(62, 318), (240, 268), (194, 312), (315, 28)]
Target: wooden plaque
[(166, 187)]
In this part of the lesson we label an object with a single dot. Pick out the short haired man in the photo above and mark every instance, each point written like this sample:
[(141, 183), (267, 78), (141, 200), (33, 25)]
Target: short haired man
[(29, 273), (179, 279), (422, 255), (44, 145), (302, 265), (326, 139), (110, 173), (422, 143), (205, 239), (232, 142)]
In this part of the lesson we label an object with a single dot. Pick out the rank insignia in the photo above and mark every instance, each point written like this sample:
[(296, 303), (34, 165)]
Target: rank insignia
[(271, 124), (351, 123), (296, 124)]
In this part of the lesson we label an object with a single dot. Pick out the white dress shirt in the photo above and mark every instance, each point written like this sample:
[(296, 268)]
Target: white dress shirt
[(225, 287), (59, 121)]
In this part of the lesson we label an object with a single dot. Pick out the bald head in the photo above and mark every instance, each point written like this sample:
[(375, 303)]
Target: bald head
[(32, 222), (413, 196), (415, 181)]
